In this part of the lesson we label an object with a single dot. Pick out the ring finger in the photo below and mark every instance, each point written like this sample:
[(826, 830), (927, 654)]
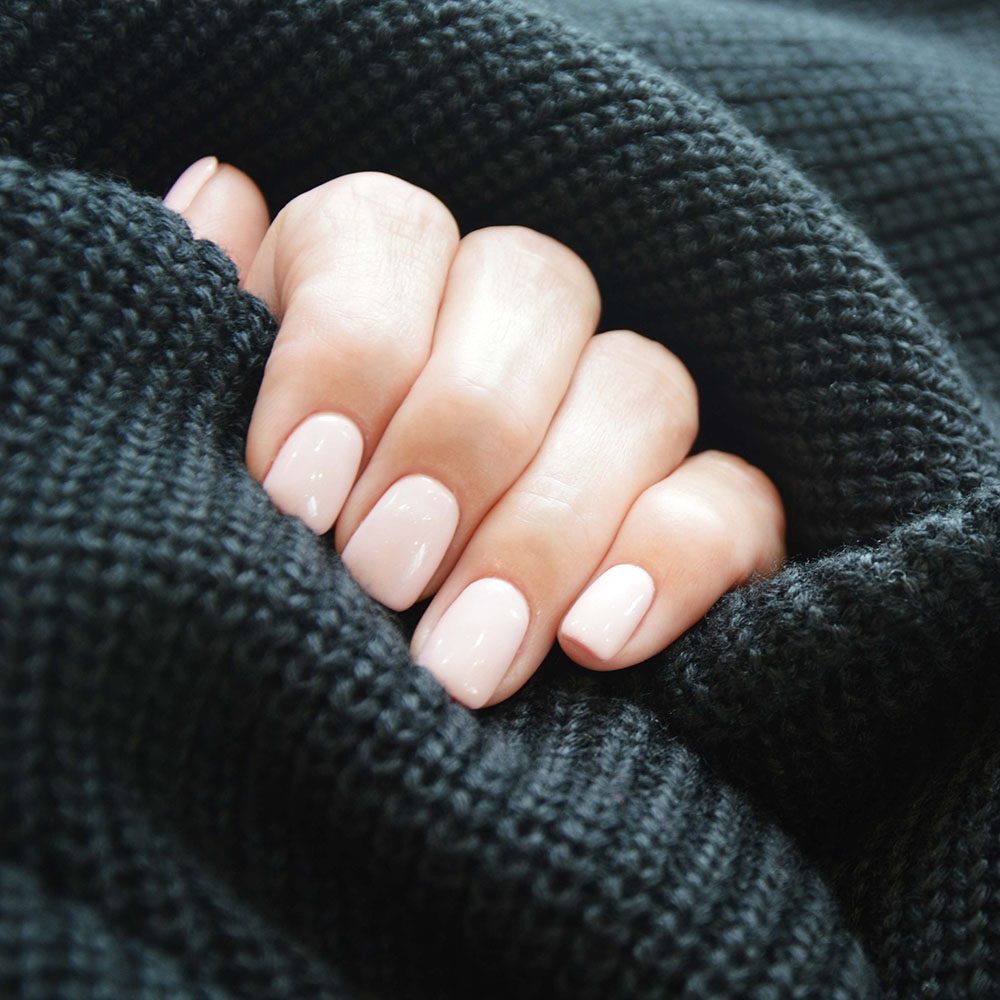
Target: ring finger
[(629, 418)]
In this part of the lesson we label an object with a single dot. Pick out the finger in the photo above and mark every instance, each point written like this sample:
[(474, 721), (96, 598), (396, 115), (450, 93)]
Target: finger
[(354, 270), (630, 416), (221, 203), (703, 530), (517, 311)]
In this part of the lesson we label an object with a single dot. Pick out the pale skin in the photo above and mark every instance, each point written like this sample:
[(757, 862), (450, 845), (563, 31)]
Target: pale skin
[(447, 406)]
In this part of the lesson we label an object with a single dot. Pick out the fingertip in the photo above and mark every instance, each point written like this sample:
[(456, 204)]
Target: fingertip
[(190, 182), (222, 203)]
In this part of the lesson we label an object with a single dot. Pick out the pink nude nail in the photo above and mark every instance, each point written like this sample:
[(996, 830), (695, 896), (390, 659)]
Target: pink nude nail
[(183, 192), (473, 644), (398, 547), (315, 469), (606, 614)]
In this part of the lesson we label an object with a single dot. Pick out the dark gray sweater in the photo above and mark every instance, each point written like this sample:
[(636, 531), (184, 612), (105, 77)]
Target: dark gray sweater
[(221, 776)]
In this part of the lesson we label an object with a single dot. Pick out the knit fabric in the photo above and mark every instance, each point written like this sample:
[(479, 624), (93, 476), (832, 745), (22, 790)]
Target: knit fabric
[(221, 775)]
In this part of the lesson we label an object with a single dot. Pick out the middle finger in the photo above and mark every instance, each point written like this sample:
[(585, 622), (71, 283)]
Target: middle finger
[(517, 311)]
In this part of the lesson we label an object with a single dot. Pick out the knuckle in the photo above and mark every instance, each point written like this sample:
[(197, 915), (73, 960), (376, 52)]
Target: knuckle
[(405, 210), (658, 380), (408, 211), (353, 335), (750, 501), (669, 374), (550, 510), (714, 533), (538, 261), (696, 518), (749, 480), (377, 187), (486, 413), (393, 194)]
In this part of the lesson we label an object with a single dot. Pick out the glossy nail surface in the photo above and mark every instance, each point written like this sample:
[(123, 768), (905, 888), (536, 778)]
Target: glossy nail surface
[(473, 644), (315, 469), (398, 547), (606, 614), (184, 189)]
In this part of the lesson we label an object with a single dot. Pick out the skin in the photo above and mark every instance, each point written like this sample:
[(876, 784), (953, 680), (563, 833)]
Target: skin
[(476, 360)]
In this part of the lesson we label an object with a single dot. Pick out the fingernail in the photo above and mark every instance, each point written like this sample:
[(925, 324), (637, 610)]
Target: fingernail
[(315, 469), (474, 642), (398, 547), (606, 614), (183, 192)]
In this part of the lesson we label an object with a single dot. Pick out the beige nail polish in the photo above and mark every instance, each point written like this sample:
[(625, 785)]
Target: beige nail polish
[(606, 614), (315, 469), (398, 547), (184, 189), (473, 644)]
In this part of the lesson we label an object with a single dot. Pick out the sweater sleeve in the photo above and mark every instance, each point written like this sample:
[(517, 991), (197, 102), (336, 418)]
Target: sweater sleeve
[(223, 776)]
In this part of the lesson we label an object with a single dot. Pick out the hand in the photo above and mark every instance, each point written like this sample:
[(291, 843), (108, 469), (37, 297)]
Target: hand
[(445, 403)]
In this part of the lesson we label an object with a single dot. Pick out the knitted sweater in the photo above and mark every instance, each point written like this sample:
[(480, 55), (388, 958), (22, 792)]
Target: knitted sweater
[(221, 775)]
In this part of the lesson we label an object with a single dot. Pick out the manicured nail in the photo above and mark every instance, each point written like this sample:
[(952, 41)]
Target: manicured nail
[(474, 642), (398, 547), (180, 196), (606, 614), (315, 469)]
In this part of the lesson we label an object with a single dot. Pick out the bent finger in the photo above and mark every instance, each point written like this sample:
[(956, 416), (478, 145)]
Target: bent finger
[(354, 271), (518, 309), (706, 528), (222, 204), (630, 417)]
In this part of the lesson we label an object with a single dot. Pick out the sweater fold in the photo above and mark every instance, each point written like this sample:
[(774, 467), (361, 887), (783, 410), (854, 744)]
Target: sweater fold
[(223, 775)]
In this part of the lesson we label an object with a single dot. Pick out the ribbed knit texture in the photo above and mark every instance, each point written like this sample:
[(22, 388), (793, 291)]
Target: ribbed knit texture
[(220, 773)]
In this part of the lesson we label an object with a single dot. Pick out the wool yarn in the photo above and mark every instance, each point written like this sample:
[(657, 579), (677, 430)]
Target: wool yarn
[(222, 775)]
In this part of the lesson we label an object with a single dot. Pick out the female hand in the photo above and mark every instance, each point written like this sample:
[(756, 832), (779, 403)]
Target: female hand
[(446, 404)]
